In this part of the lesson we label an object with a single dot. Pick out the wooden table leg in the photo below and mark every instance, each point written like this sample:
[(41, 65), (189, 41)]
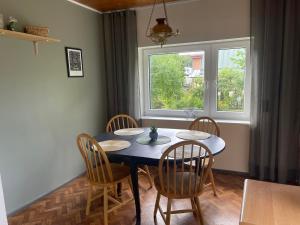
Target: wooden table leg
[(135, 186)]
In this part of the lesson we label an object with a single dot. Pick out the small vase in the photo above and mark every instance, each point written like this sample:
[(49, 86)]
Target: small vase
[(153, 136), (12, 24)]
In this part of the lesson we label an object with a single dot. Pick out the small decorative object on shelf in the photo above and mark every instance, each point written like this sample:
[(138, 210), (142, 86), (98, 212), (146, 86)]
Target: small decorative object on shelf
[(153, 134), (40, 31), (12, 23), (1, 21)]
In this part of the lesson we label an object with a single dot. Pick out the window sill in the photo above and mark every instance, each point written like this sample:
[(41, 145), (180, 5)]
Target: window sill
[(191, 119)]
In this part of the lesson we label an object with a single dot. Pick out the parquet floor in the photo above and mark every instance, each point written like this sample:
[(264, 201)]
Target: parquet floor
[(66, 206)]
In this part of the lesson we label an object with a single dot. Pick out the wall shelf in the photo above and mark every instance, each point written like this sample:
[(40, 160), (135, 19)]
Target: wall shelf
[(28, 37)]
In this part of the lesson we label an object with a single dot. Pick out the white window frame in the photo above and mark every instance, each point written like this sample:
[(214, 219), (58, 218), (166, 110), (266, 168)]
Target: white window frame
[(211, 68)]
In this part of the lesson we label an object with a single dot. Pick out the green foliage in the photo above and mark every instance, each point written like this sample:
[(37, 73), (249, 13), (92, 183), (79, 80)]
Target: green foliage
[(166, 81), (231, 84), (239, 59), (168, 89), (153, 129), (171, 89), (230, 89)]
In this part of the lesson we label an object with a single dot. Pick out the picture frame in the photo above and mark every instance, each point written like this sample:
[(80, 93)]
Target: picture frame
[(74, 62)]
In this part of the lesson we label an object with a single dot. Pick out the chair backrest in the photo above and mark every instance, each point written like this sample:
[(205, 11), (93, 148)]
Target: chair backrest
[(96, 162), (120, 122), (178, 175), (205, 124)]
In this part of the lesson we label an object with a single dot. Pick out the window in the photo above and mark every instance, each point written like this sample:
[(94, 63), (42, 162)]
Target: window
[(211, 78), (177, 80)]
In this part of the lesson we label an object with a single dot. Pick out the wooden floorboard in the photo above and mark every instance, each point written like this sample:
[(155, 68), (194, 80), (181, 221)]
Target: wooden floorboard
[(66, 206)]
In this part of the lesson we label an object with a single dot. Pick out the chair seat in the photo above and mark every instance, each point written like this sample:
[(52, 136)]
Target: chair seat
[(183, 180), (119, 173)]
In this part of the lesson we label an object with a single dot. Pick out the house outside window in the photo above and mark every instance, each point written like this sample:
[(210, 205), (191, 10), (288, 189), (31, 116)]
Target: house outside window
[(197, 79)]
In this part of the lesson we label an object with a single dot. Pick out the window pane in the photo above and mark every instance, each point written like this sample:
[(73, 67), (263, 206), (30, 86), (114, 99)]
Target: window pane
[(177, 81), (231, 77)]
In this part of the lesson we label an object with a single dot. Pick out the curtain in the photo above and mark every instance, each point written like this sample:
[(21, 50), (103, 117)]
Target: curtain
[(121, 63), (275, 115)]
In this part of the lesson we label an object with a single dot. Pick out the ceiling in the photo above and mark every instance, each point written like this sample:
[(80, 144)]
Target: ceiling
[(111, 5)]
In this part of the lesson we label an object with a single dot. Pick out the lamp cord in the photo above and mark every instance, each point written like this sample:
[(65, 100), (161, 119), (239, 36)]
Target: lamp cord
[(165, 9), (148, 27)]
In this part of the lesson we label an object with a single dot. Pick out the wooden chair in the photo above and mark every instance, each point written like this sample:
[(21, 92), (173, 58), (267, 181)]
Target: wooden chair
[(120, 121), (124, 121), (205, 124), (208, 125), (102, 174), (175, 181)]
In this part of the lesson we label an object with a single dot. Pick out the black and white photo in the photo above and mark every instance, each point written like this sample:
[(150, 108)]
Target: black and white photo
[(74, 62)]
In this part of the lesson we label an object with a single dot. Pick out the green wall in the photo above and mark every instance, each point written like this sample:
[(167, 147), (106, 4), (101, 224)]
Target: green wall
[(41, 109)]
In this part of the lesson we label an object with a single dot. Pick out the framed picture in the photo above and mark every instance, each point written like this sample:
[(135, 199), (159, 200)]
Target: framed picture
[(74, 62)]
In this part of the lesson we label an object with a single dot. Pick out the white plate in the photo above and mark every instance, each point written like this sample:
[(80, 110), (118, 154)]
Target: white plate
[(129, 131), (192, 135), (114, 145), (187, 152)]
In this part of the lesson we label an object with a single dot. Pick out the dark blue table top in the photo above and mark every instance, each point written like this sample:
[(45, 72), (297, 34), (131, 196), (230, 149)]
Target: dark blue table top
[(146, 153)]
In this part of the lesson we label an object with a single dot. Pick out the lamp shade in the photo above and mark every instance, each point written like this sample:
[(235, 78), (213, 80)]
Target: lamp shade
[(162, 26), (161, 31)]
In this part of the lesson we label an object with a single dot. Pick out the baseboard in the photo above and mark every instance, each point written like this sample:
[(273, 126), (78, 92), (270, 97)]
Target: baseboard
[(231, 172), (42, 196)]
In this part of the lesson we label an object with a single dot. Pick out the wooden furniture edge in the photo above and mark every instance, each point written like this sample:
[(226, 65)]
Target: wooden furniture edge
[(35, 39)]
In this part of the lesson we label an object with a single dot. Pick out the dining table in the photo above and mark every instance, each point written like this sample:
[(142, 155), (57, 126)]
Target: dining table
[(149, 154)]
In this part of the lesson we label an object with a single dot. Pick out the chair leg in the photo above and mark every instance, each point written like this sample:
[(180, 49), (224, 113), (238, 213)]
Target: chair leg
[(105, 206), (168, 213), (115, 191), (199, 210), (89, 200), (116, 195), (148, 176), (156, 204), (194, 207), (130, 185), (119, 190), (212, 180)]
